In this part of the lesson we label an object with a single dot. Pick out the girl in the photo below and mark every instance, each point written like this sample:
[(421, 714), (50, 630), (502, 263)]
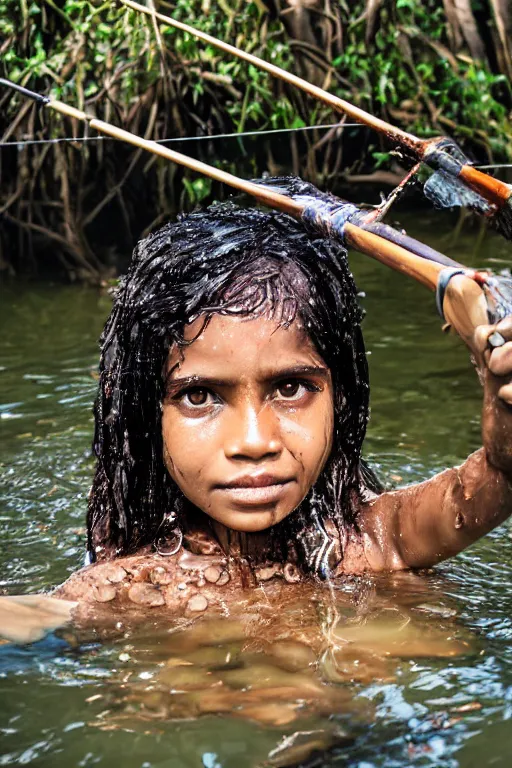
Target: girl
[(232, 408)]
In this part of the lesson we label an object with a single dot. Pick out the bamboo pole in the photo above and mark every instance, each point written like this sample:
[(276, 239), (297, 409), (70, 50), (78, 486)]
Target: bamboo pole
[(394, 256), (494, 191), (465, 305), (261, 193), (374, 245)]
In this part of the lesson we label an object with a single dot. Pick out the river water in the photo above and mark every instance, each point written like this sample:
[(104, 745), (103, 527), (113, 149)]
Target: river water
[(64, 703)]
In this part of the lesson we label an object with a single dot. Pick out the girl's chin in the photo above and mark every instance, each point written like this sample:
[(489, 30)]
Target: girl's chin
[(250, 520)]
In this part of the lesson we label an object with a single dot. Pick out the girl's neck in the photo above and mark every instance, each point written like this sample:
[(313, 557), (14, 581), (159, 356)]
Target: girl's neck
[(203, 533), (254, 546)]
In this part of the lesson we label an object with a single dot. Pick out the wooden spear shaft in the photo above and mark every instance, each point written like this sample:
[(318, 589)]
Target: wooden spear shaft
[(261, 193), (493, 190), (464, 304), (318, 93), (393, 255)]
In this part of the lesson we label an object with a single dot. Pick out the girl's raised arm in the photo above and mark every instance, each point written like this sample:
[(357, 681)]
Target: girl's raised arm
[(418, 526)]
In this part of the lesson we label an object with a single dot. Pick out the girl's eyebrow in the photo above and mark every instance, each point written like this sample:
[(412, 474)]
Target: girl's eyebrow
[(210, 381), (300, 370)]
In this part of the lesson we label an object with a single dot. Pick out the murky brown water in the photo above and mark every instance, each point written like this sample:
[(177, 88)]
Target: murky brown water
[(377, 672)]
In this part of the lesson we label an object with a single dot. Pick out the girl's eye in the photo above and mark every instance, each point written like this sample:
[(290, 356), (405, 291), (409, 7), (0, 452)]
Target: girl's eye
[(196, 396), (294, 389), (289, 388)]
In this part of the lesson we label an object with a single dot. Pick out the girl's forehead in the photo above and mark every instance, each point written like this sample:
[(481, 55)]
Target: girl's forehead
[(241, 344)]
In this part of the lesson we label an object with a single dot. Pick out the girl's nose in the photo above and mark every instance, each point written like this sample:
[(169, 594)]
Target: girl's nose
[(253, 434)]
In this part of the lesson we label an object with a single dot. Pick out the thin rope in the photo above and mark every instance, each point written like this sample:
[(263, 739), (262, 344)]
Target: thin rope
[(240, 135), (502, 165)]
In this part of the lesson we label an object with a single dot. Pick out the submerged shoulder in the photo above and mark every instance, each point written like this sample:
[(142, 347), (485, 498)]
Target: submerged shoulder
[(348, 550), (135, 578), (148, 580), (362, 553)]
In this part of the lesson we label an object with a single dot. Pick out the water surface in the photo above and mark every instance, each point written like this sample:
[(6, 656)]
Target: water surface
[(63, 704)]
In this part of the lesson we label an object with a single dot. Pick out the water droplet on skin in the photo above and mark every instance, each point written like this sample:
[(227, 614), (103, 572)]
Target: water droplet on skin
[(114, 573), (197, 604), (160, 576), (145, 594), (212, 574), (104, 593)]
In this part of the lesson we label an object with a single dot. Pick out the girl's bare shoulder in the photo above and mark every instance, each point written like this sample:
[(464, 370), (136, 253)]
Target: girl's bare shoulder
[(185, 582)]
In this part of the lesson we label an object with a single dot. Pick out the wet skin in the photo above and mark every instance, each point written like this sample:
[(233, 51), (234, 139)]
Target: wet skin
[(422, 525), (269, 652), (261, 419), (247, 419), (255, 423)]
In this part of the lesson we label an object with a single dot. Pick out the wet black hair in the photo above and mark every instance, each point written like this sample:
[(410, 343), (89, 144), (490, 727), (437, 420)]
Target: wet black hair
[(224, 259)]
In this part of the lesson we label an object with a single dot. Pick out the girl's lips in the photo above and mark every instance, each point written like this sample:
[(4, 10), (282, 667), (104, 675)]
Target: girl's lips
[(254, 481), (255, 496)]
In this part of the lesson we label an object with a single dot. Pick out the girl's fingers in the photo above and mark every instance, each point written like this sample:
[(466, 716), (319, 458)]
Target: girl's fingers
[(500, 360), (482, 334), (496, 340), (505, 327), (493, 344), (505, 393)]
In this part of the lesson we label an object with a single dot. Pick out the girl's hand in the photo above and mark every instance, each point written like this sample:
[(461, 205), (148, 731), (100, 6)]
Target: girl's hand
[(493, 345)]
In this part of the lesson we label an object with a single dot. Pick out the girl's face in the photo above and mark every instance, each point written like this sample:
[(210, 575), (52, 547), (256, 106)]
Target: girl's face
[(247, 419)]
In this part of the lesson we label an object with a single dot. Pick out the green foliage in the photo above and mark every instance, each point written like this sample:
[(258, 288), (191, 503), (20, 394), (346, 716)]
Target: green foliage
[(198, 189), (114, 63), (412, 78), (73, 49), (408, 74), (68, 47)]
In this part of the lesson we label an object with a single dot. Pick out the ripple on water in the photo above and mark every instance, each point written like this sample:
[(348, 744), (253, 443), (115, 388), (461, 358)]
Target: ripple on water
[(67, 702)]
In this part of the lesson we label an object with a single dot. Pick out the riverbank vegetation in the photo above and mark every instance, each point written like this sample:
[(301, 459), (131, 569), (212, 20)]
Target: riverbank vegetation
[(432, 67)]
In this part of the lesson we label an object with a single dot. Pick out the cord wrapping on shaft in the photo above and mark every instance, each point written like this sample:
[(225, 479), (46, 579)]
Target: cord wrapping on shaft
[(325, 217)]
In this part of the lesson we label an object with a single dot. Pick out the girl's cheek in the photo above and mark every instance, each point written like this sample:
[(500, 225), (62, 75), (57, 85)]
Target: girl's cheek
[(189, 439), (309, 424), (297, 430)]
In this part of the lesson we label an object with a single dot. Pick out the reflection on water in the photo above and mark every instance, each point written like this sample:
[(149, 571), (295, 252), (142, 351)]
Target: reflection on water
[(289, 654), (389, 672), (309, 672)]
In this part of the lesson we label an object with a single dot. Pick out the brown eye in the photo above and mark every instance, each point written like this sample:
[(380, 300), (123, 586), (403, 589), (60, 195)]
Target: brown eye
[(289, 388), (294, 390), (197, 396)]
